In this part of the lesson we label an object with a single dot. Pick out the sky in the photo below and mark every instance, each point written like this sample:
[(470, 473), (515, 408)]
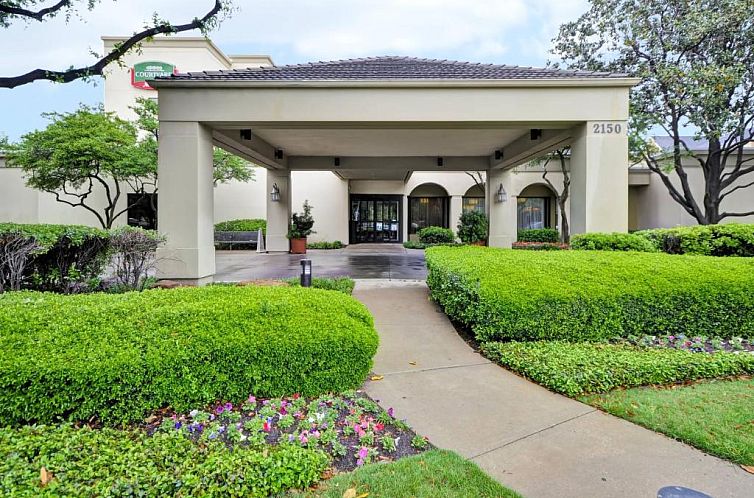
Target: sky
[(515, 32)]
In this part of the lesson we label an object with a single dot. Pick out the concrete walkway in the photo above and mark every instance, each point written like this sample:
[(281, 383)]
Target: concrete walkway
[(534, 441)]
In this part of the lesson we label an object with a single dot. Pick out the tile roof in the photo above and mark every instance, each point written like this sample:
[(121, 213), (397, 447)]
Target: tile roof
[(388, 68)]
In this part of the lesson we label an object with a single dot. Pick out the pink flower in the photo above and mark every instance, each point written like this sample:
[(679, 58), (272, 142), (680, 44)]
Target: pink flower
[(361, 456), (302, 438), (379, 426), (283, 411), (219, 409), (252, 399), (266, 426)]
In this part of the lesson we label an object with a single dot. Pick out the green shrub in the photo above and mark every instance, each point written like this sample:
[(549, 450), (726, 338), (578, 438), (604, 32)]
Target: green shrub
[(242, 225), (611, 242), (538, 235), (340, 284), (325, 245), (66, 258), (436, 235), (590, 295), (708, 240), (119, 356), (473, 226), (581, 368), (109, 462)]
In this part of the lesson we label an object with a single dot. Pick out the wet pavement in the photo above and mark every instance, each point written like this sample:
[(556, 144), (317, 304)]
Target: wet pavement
[(384, 261)]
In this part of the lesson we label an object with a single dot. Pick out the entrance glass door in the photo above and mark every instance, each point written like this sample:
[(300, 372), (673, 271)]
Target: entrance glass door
[(375, 219)]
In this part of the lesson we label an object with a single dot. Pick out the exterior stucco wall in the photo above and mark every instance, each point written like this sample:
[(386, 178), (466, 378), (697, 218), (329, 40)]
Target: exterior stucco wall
[(328, 195), (236, 200)]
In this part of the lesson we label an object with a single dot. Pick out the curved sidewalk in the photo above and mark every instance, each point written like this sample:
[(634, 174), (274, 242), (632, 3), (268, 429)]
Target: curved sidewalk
[(536, 442)]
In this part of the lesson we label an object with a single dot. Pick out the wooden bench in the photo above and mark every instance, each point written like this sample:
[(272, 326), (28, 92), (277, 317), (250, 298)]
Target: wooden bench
[(236, 238)]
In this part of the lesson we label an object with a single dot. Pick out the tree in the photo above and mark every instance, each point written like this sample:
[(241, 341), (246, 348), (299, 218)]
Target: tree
[(560, 196), (80, 152), (27, 10), (695, 62)]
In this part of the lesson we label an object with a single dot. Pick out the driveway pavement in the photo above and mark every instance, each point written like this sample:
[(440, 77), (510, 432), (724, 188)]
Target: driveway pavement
[(534, 441), (383, 261)]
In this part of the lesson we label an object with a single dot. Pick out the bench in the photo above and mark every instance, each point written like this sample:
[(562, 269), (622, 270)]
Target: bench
[(237, 238)]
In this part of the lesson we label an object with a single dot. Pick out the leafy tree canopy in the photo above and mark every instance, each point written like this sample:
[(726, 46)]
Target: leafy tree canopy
[(695, 61)]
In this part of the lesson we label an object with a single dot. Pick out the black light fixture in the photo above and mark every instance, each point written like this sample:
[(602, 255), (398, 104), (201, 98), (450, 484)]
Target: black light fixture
[(337, 161), (278, 154), (306, 273), (246, 134), (535, 133), (275, 193), (498, 155), (440, 162), (502, 195)]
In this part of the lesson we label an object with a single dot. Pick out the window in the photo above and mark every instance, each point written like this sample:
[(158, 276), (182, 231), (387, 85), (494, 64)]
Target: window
[(533, 212), (142, 211), (473, 204), (427, 212)]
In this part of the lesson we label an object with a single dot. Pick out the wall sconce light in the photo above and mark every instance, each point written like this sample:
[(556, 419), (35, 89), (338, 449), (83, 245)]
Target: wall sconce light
[(246, 134), (535, 133), (337, 161), (502, 195), (440, 162), (498, 155), (278, 154), (275, 193)]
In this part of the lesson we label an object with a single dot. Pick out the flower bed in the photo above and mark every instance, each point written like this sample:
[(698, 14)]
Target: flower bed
[(351, 428), (540, 246), (588, 295), (582, 368), (117, 357), (698, 344)]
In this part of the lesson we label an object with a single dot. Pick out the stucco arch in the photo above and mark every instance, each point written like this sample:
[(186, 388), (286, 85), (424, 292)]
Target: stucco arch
[(429, 189)]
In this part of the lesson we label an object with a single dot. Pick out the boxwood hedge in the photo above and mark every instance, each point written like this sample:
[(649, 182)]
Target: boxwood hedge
[(591, 295), (611, 242), (709, 240), (110, 462), (118, 357), (580, 368), (242, 225)]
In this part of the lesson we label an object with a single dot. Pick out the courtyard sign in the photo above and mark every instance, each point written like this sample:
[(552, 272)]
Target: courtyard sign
[(143, 71)]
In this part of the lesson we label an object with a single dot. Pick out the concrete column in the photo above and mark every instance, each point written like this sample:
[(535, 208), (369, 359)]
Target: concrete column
[(404, 225), (278, 213), (502, 214), (599, 178), (186, 203), (456, 207)]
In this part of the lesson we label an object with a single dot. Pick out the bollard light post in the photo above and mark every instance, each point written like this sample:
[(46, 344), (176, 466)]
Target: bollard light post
[(306, 273)]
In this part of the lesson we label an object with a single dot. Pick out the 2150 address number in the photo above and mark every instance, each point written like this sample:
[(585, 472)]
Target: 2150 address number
[(605, 128)]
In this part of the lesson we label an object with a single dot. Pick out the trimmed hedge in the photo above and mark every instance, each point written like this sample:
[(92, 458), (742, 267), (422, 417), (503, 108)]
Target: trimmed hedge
[(708, 240), (336, 244), (538, 235), (611, 242), (581, 368), (436, 235), (118, 357), (340, 284), (242, 225), (66, 257), (109, 462), (583, 295)]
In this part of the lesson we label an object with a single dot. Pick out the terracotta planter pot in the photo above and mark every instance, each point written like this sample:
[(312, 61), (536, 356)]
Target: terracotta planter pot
[(298, 246)]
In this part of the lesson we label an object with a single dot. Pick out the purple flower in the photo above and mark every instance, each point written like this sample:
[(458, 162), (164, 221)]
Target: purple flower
[(212, 435), (178, 425), (283, 411), (228, 406), (252, 399), (291, 437), (390, 411), (219, 409), (221, 429), (361, 456)]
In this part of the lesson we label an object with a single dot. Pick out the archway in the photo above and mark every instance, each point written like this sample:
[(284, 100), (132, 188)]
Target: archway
[(473, 199), (428, 206), (536, 207)]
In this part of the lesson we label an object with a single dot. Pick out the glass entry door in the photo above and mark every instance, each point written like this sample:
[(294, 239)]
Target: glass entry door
[(375, 218)]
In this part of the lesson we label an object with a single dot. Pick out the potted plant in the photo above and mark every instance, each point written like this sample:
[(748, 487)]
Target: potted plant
[(301, 227), (473, 228)]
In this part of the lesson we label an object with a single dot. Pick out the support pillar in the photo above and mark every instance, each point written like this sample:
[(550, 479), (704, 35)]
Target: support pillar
[(186, 203), (278, 213), (456, 208), (502, 215), (599, 178)]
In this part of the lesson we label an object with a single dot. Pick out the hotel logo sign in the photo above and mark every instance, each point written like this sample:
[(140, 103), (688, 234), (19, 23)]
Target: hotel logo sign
[(143, 71)]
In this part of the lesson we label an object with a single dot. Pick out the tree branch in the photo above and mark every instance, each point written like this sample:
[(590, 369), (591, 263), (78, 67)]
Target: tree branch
[(39, 15), (119, 51)]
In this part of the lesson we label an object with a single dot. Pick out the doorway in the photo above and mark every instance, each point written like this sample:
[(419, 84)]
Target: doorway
[(375, 218)]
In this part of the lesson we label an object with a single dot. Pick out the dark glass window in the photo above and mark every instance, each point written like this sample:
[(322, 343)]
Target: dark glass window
[(427, 212), (473, 204), (533, 212), (142, 211)]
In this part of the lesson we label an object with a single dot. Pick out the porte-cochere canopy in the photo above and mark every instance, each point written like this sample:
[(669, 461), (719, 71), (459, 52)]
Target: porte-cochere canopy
[(382, 119)]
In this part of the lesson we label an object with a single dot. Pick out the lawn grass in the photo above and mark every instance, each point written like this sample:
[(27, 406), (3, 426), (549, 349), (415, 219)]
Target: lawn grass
[(434, 474), (716, 416)]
